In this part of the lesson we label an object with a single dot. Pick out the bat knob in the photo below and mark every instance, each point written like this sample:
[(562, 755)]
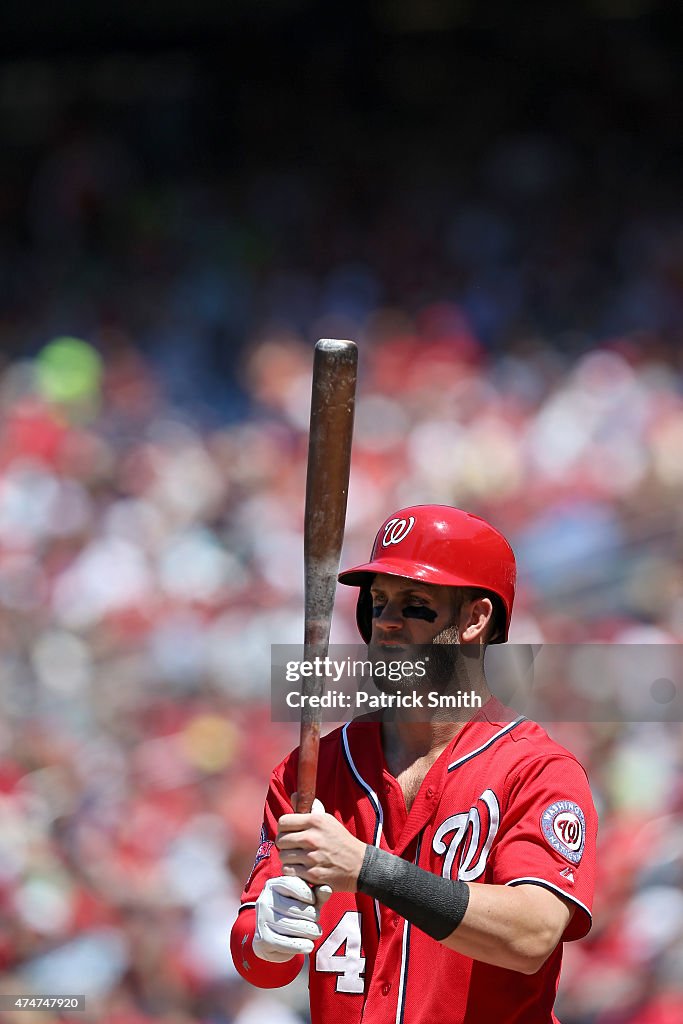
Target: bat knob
[(335, 346)]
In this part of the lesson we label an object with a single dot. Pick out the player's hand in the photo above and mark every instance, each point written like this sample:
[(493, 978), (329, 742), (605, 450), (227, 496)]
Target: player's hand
[(323, 892), (318, 849), (287, 913)]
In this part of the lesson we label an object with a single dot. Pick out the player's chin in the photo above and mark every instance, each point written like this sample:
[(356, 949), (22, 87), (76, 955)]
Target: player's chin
[(395, 683), (394, 666)]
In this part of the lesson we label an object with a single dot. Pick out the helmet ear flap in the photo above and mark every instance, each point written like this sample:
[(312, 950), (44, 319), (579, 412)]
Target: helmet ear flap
[(364, 612)]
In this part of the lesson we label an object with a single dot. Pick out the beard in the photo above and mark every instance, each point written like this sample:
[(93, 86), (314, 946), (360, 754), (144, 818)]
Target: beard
[(444, 658), (449, 635), (440, 659)]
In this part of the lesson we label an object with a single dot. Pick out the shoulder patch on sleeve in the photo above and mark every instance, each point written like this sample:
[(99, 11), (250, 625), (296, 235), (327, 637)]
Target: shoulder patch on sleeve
[(265, 846), (564, 827)]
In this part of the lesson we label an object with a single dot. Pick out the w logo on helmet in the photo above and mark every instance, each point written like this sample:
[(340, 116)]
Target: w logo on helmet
[(396, 529)]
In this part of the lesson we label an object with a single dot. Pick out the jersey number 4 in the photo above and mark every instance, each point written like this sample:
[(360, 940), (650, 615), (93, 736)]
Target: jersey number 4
[(346, 962)]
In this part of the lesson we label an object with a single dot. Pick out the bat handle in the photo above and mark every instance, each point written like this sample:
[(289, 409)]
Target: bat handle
[(308, 766), (309, 740)]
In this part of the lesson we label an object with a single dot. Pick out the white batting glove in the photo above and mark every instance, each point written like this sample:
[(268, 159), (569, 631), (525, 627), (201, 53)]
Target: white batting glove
[(287, 913)]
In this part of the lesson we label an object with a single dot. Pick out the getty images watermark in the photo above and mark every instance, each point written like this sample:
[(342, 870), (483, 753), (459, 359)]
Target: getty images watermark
[(635, 683), (335, 671)]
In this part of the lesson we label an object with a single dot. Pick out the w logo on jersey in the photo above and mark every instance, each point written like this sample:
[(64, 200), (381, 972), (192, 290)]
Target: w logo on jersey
[(467, 831)]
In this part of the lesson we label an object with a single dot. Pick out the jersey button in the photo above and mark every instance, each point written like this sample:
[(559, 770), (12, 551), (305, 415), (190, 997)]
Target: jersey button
[(395, 919), (387, 787), (430, 792), (386, 988)]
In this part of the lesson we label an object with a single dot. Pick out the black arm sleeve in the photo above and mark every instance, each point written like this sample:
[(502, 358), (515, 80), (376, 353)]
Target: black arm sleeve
[(433, 904)]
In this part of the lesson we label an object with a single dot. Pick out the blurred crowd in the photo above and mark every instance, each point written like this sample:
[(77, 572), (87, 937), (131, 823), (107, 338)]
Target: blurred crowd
[(520, 354), (148, 563)]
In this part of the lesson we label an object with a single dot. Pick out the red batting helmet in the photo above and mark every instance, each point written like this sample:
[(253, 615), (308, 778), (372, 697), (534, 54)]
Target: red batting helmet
[(442, 545)]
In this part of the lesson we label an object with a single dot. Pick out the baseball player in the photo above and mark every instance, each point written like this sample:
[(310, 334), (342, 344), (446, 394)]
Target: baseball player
[(445, 862)]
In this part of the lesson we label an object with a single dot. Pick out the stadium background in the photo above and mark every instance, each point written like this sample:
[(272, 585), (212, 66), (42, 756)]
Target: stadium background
[(190, 195)]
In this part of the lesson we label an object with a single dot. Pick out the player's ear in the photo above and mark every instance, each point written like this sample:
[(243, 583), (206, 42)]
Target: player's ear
[(475, 618)]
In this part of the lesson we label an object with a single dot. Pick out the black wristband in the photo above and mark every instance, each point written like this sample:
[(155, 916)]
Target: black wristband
[(433, 904)]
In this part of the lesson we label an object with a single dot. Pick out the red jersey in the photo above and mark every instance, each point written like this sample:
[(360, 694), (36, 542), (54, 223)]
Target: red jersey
[(503, 804)]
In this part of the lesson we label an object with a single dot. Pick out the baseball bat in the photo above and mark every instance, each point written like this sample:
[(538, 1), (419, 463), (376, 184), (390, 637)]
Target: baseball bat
[(327, 486)]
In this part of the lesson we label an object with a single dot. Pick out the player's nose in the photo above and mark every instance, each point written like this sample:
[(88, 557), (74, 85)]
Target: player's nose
[(388, 618)]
